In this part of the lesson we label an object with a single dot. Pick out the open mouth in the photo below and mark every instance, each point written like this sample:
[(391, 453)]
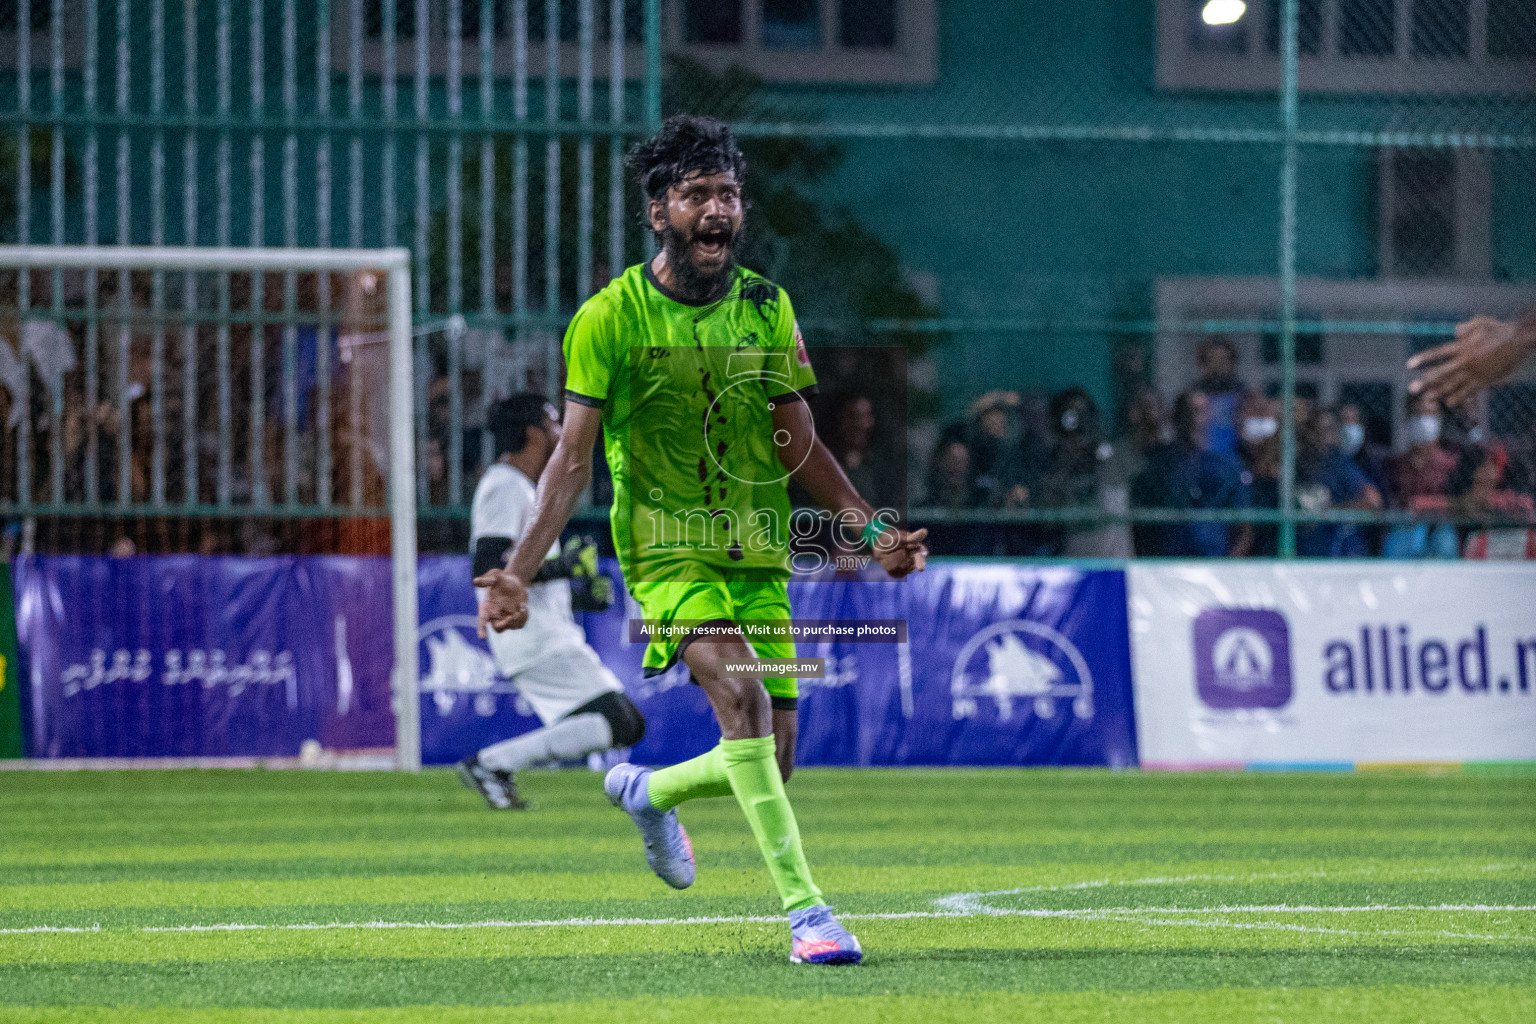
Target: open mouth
[(712, 243)]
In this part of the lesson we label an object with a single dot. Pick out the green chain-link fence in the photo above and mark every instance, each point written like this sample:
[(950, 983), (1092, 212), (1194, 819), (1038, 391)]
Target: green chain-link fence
[(1063, 217)]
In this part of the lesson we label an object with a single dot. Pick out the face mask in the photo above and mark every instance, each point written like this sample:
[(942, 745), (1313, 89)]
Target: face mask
[(1351, 437), (1259, 428), (1424, 429)]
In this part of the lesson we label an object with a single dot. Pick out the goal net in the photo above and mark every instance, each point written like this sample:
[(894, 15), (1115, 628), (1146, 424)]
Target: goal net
[(161, 400)]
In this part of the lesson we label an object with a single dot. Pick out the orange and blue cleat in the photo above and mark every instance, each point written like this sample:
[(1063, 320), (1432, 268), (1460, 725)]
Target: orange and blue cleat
[(816, 938)]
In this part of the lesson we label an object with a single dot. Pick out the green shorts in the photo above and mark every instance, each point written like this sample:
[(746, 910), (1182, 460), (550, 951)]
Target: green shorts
[(734, 600)]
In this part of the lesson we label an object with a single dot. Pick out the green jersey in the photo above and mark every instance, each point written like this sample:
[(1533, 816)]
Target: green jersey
[(687, 394)]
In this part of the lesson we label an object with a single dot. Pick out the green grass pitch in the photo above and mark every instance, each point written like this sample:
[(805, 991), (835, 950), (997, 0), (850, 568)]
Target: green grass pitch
[(1057, 896)]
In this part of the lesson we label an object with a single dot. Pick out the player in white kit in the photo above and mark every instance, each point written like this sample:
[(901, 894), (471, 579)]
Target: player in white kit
[(581, 703)]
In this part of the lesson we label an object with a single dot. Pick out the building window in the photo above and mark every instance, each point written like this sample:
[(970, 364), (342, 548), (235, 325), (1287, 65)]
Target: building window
[(1309, 27), (859, 41), (1366, 28), (1442, 29), (791, 24), (1511, 30), (1309, 347), (40, 17), (469, 15), (714, 22), (867, 23), (1421, 224), (1381, 46), (1435, 213)]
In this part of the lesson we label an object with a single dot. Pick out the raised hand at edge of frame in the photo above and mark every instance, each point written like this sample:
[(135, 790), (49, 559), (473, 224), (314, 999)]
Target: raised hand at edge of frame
[(1485, 352)]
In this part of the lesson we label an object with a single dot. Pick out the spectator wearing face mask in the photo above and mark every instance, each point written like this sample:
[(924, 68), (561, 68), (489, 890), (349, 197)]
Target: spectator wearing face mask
[(1259, 448), (1327, 480), (1218, 381), (1369, 458), (1422, 470), (1187, 474)]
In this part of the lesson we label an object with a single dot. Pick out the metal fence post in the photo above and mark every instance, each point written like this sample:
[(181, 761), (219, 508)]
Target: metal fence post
[(1287, 545)]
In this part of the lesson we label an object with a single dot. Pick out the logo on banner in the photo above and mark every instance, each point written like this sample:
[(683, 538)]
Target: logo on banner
[(1242, 658), (1020, 661), (457, 663)]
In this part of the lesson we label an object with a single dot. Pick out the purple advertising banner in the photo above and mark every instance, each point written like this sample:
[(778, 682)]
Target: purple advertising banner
[(190, 656), (1006, 665)]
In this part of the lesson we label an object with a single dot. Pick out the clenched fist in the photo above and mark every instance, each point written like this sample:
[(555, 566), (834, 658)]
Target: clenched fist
[(506, 601)]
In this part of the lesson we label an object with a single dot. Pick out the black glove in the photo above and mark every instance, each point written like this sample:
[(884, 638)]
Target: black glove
[(591, 591)]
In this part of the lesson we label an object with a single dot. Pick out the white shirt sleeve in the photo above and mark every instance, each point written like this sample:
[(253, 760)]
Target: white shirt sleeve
[(501, 506)]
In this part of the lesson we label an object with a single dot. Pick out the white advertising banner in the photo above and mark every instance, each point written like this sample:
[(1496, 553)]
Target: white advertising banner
[(1321, 664)]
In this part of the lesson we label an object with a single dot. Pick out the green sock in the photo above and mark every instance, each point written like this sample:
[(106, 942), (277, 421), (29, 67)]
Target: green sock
[(702, 776), (754, 776)]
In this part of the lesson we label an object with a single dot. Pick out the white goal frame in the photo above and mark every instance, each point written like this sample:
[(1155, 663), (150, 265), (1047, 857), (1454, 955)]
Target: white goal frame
[(395, 263)]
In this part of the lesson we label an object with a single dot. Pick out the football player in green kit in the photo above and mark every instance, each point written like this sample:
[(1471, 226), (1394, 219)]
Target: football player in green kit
[(695, 371)]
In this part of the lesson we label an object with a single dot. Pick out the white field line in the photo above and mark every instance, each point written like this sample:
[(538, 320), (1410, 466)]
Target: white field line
[(1131, 914), (959, 905)]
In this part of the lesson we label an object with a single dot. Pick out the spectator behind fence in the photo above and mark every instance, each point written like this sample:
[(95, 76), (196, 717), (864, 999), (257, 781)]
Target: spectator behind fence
[(1146, 426), (1327, 480), (1218, 381), (1185, 474), (1478, 492), (1355, 443), (949, 477), (851, 438), (995, 437), (1420, 475), (1259, 448), (1071, 475), (1477, 489)]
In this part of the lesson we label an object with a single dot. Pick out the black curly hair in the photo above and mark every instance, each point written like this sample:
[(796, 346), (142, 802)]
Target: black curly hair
[(687, 144), (511, 417)]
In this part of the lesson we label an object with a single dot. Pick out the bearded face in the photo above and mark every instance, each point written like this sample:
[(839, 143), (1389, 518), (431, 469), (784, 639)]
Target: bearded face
[(700, 223)]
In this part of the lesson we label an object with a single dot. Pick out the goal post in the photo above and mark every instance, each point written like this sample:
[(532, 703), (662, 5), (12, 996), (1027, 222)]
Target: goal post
[(39, 292)]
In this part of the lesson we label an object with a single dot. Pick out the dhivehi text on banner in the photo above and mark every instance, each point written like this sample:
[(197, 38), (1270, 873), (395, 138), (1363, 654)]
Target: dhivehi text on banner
[(192, 656), (1315, 664)]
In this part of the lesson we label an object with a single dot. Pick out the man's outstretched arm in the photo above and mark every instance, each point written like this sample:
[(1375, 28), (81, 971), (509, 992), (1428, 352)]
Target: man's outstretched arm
[(816, 469), (1486, 351), (561, 486)]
